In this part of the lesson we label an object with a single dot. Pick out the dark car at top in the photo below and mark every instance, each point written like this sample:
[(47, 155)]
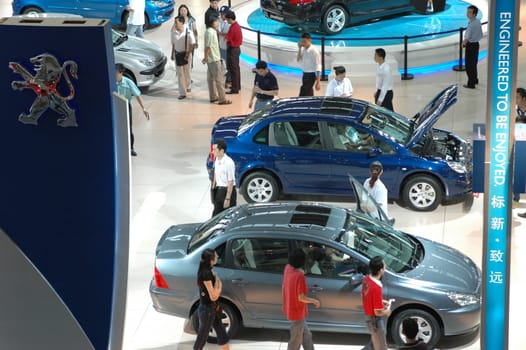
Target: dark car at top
[(332, 16), (292, 146), (433, 283)]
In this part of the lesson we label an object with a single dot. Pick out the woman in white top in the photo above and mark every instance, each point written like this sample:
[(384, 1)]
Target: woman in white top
[(376, 187), (340, 86)]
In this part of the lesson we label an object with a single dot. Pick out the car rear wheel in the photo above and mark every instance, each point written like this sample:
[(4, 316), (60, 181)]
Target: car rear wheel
[(31, 9), (422, 193), (260, 187), (335, 20), (429, 328), (230, 321)]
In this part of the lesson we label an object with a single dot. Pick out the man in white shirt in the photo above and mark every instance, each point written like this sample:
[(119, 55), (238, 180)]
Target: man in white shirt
[(223, 183), (384, 81), (310, 61), (135, 18)]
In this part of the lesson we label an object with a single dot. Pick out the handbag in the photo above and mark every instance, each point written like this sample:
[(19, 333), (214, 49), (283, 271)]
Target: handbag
[(180, 57)]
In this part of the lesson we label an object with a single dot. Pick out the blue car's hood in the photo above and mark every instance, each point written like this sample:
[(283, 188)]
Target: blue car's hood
[(432, 112), (447, 267)]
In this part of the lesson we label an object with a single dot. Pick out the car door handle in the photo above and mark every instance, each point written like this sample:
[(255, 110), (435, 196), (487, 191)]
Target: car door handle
[(239, 282), (281, 155), (316, 288)]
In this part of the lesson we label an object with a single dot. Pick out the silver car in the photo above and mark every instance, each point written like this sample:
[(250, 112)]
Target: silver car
[(434, 283), (144, 60)]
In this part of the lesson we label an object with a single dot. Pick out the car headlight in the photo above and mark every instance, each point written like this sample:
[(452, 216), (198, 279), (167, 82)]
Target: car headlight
[(148, 62), (159, 3), (458, 167), (463, 299)]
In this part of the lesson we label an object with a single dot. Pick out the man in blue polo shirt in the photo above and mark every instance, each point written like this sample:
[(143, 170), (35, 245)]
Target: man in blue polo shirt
[(265, 86)]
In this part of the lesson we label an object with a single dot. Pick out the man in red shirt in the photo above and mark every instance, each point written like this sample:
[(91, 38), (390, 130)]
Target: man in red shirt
[(295, 301), (374, 306), (234, 38)]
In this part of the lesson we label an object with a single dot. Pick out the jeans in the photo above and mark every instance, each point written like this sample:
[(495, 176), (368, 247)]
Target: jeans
[(300, 335), (260, 103), (207, 320), (376, 327), (134, 29)]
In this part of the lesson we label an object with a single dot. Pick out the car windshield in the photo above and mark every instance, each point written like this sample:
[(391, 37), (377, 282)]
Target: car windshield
[(390, 124), (400, 251), (118, 38), (211, 228), (254, 118)]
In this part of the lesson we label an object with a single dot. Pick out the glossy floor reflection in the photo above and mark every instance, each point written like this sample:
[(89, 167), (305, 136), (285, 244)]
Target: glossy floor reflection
[(170, 186)]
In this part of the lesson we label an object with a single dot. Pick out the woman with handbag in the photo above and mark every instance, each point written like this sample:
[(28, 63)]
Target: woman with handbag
[(209, 291), (183, 41), (190, 23)]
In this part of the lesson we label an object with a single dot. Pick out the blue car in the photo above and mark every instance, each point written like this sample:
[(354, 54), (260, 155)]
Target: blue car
[(308, 146), (156, 11)]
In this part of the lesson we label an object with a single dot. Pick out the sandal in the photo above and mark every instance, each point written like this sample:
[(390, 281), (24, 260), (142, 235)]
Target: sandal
[(214, 100), (225, 102)]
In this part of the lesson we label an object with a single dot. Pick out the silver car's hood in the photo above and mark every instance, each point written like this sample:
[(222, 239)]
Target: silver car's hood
[(447, 267), (139, 48)]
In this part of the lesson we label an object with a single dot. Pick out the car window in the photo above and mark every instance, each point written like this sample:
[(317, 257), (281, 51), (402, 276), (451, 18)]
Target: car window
[(262, 254), (211, 228), (297, 134), (347, 138), (392, 125), (254, 118), (327, 261), (262, 136), (221, 255)]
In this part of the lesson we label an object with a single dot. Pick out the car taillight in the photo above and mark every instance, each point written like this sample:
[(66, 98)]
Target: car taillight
[(212, 153), (301, 2), (159, 280)]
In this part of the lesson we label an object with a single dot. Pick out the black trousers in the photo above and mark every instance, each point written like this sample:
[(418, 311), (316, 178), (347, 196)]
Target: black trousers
[(132, 138), (307, 84), (232, 63), (218, 198), (472, 58), (388, 99)]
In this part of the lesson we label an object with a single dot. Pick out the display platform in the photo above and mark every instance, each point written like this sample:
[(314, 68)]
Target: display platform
[(349, 48)]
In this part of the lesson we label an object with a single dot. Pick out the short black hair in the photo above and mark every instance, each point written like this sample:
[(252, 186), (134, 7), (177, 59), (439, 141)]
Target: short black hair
[(180, 19), (221, 144), (410, 328), (339, 69), (376, 264), (474, 9), (522, 92), (306, 36), (261, 65), (230, 15), (380, 52), (119, 67), (297, 258)]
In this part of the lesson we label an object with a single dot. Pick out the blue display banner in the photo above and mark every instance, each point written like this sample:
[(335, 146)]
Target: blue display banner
[(497, 228), (63, 187)]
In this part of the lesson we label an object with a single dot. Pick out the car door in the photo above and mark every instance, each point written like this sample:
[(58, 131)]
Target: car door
[(355, 160), (299, 156), (110, 9), (334, 277), (256, 276)]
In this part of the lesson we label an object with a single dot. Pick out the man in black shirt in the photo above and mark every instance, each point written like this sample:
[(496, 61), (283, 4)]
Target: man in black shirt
[(265, 86), (212, 12)]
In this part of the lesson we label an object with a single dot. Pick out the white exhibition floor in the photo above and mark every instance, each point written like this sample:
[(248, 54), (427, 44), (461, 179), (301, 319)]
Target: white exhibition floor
[(170, 186)]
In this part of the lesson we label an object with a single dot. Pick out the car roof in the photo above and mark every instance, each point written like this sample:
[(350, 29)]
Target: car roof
[(320, 105), (314, 219)]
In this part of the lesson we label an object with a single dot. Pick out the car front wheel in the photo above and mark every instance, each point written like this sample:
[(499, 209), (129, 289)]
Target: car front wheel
[(31, 10), (260, 187), (422, 193), (335, 20), (428, 328), (230, 321)]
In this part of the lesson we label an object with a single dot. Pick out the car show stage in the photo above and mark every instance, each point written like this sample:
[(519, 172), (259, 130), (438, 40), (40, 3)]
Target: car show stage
[(354, 46)]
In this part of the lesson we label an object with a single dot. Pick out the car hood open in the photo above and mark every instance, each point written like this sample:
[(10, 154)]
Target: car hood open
[(428, 116)]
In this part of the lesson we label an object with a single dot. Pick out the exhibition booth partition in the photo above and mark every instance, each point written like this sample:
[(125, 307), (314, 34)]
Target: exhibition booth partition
[(64, 185)]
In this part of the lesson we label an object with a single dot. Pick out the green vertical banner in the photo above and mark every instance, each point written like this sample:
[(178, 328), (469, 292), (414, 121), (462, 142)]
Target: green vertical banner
[(500, 118)]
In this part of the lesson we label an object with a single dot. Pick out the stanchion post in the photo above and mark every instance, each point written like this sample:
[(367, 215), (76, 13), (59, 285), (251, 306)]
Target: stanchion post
[(406, 76), (259, 45), (323, 75), (460, 67)]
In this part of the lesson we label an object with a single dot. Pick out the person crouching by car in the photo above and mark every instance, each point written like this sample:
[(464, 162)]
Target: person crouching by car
[(183, 42), (223, 190), (210, 287)]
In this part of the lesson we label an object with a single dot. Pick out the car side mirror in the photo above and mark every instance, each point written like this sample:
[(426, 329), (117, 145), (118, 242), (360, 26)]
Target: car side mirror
[(375, 152)]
